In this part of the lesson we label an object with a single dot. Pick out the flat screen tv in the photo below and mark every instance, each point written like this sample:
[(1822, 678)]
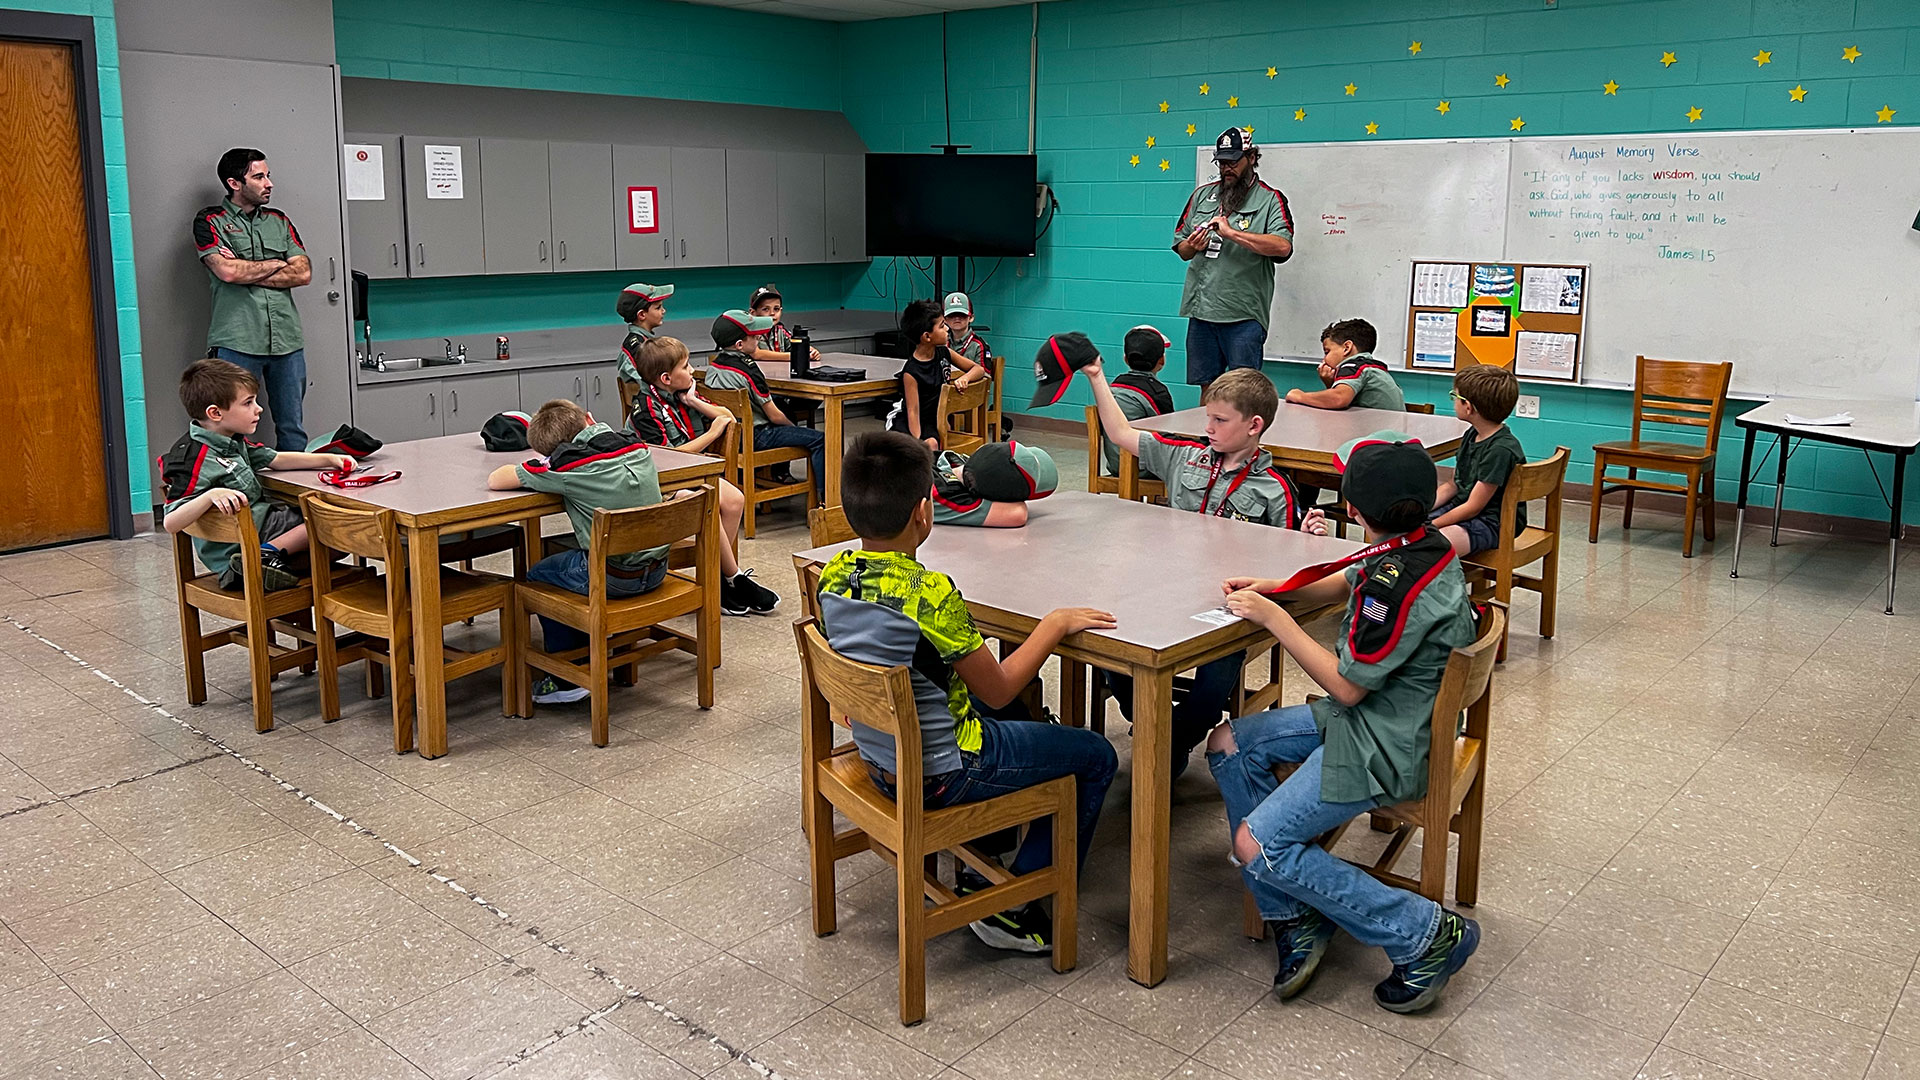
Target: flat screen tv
[(950, 204)]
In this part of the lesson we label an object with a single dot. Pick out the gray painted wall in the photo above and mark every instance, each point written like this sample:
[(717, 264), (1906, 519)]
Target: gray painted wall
[(298, 31)]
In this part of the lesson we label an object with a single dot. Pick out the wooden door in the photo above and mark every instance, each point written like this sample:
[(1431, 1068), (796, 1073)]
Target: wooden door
[(51, 432)]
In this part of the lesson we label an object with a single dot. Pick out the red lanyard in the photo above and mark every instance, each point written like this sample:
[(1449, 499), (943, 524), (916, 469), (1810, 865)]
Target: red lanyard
[(679, 417), (342, 479), (1214, 477), (1317, 571)]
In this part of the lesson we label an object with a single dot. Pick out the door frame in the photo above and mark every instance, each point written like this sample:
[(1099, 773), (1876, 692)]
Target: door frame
[(77, 32)]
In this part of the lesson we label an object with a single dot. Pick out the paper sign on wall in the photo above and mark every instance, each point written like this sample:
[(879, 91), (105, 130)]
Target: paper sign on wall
[(643, 209), (445, 177), (365, 173), (1545, 356), (1433, 345)]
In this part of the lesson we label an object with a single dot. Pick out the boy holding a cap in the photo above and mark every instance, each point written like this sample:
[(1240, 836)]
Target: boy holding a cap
[(737, 334), (1362, 746)]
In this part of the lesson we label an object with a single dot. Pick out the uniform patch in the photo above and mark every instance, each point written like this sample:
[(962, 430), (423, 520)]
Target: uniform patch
[(1373, 609), (1387, 573)]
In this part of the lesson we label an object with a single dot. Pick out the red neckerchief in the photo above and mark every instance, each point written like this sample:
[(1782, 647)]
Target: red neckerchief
[(1309, 574), (343, 479), (678, 414), (1213, 477)]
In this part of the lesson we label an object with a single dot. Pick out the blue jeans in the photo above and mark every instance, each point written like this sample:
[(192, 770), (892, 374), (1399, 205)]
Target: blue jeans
[(568, 570), (1194, 713), (812, 440), (1293, 873), (1213, 349), (284, 378)]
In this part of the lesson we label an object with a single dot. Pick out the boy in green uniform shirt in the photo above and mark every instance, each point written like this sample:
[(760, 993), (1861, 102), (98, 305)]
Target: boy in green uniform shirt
[(1467, 508), (643, 308), (214, 467), (1362, 746), (738, 334), (991, 487), (1138, 389), (591, 467), (1354, 378)]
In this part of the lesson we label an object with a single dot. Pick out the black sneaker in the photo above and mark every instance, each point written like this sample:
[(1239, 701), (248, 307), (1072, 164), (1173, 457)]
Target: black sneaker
[(276, 571), (733, 600), (1027, 929), (1416, 986), (757, 598), (781, 474), (1301, 943)]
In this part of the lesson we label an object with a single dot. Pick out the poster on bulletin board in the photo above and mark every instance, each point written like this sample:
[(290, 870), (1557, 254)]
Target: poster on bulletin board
[(1527, 318)]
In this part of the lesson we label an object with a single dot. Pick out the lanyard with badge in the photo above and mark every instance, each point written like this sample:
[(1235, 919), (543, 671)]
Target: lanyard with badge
[(1213, 477), (1308, 574)]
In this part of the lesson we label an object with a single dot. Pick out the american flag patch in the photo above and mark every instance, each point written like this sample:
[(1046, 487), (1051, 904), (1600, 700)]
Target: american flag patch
[(1371, 608)]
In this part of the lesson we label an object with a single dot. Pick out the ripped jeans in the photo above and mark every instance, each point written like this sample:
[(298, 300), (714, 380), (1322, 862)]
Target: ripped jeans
[(1292, 873)]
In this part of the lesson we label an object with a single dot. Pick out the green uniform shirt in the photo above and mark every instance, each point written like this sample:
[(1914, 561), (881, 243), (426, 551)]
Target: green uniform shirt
[(1490, 461), (256, 319), (629, 366), (731, 370), (954, 502), (1227, 283), (1139, 396), (1255, 491), (601, 469), (202, 460), (1373, 387), (1378, 748)]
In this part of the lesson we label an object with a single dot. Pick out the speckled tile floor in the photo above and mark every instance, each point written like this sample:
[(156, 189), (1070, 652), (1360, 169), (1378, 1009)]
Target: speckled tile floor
[(1701, 862)]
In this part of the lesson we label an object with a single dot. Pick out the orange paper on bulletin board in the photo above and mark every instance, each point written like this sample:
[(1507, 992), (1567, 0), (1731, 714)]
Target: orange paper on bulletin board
[(1527, 317)]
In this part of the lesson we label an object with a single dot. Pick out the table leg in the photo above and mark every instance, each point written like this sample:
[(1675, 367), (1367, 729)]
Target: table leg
[(1779, 490), (1073, 692), (1893, 532), (429, 650), (1152, 808), (1740, 511), (836, 440)]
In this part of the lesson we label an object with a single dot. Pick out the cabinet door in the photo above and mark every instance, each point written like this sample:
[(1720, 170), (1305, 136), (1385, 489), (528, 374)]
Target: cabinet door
[(472, 399), (518, 222), (603, 396), (643, 167), (541, 385), (846, 207), (802, 200), (401, 411), (444, 216), (580, 179), (377, 228), (700, 206), (753, 208)]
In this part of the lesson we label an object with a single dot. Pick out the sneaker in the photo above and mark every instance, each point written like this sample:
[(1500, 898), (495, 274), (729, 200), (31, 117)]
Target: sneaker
[(757, 597), (1416, 986), (1301, 943), (551, 691), (276, 572), (782, 474), (733, 600), (1027, 929)]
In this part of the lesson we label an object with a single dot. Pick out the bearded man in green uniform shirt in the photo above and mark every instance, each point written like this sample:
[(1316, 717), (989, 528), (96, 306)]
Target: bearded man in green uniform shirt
[(1232, 234)]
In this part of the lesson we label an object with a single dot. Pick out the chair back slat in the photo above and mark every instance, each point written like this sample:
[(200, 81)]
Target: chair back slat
[(1464, 687), (350, 530), (220, 527), (739, 441), (1424, 408), (828, 525), (616, 532), (881, 698), (970, 405), (809, 587), (1535, 480), (1095, 452), (1680, 393)]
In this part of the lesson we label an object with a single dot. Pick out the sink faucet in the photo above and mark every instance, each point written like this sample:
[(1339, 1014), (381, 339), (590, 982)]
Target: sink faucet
[(449, 342)]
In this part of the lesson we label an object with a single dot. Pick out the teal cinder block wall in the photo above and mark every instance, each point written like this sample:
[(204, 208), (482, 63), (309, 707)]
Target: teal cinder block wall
[(1106, 65), (113, 142)]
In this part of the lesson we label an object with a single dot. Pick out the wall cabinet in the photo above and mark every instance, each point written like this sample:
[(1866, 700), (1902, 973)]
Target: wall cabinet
[(473, 399), (425, 408), (647, 167), (802, 203), (753, 208), (444, 233), (575, 384), (517, 201), (580, 183), (700, 206), (377, 228), (846, 207)]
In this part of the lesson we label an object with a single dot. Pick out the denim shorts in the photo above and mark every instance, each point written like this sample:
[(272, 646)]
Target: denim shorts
[(1481, 533)]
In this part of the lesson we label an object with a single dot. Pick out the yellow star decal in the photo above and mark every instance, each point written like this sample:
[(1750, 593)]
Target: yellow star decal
[(1693, 115), (1249, 130), (1350, 89), (1516, 123), (1612, 88), (1667, 59), (1299, 114), (1233, 102), (1885, 113), (1149, 142), (1443, 108), (1762, 58), (1205, 89), (1272, 71), (1850, 54), (1165, 105), (1798, 93), (1501, 80), (1165, 164), (1414, 48), (1134, 161), (1373, 128), (1189, 129)]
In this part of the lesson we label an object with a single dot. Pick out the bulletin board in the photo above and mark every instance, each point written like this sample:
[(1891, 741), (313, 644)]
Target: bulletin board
[(1527, 317)]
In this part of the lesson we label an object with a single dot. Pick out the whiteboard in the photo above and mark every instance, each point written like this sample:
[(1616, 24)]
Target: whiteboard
[(1788, 253)]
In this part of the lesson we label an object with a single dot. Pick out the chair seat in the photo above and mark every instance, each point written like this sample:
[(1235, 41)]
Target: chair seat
[(1466, 766), (362, 605), (873, 810), (204, 592), (1532, 543), (677, 595), (1672, 451)]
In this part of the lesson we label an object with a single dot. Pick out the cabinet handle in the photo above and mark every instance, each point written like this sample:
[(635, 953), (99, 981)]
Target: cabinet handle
[(683, 249), (666, 248), (579, 385), (563, 251), (543, 251), (420, 252), (330, 270), (396, 254), (596, 386), (430, 404), (769, 247), (453, 399), (786, 245), (833, 245)]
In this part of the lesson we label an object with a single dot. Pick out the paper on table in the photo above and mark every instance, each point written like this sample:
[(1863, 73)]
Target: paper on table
[(366, 177), (1219, 616), (1433, 344), (1839, 419)]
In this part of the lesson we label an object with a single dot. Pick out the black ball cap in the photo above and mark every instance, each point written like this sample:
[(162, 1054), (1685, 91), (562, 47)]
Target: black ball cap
[(1377, 472), (1053, 366)]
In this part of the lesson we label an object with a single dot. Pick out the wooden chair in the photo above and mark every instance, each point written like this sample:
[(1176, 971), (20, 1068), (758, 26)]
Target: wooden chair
[(907, 834), (1100, 484), (1455, 801), (258, 617), (1493, 570), (629, 395), (1677, 393), (996, 427), (1424, 408), (969, 407), (379, 608), (623, 631), (743, 462)]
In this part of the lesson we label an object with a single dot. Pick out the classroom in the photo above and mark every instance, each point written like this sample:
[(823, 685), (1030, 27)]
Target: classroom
[(1377, 529)]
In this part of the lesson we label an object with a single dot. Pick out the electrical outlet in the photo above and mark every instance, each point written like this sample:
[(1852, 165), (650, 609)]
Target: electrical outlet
[(1528, 408)]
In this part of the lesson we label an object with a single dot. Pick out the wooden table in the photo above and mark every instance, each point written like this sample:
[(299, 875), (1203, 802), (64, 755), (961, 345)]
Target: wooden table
[(1304, 439), (443, 488), (882, 378), (1157, 568)]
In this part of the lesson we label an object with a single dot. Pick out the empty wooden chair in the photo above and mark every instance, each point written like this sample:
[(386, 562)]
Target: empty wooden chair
[(380, 609), (907, 834), (1494, 570), (745, 464), (963, 416), (625, 630), (1677, 393), (1100, 484), (1424, 408)]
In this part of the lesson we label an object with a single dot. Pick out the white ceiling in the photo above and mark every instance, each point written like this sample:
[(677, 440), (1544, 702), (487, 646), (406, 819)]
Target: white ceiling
[(854, 10)]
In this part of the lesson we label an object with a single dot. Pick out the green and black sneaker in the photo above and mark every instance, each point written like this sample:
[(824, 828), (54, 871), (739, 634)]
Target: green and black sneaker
[(1415, 987), (1026, 929), (1301, 942)]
